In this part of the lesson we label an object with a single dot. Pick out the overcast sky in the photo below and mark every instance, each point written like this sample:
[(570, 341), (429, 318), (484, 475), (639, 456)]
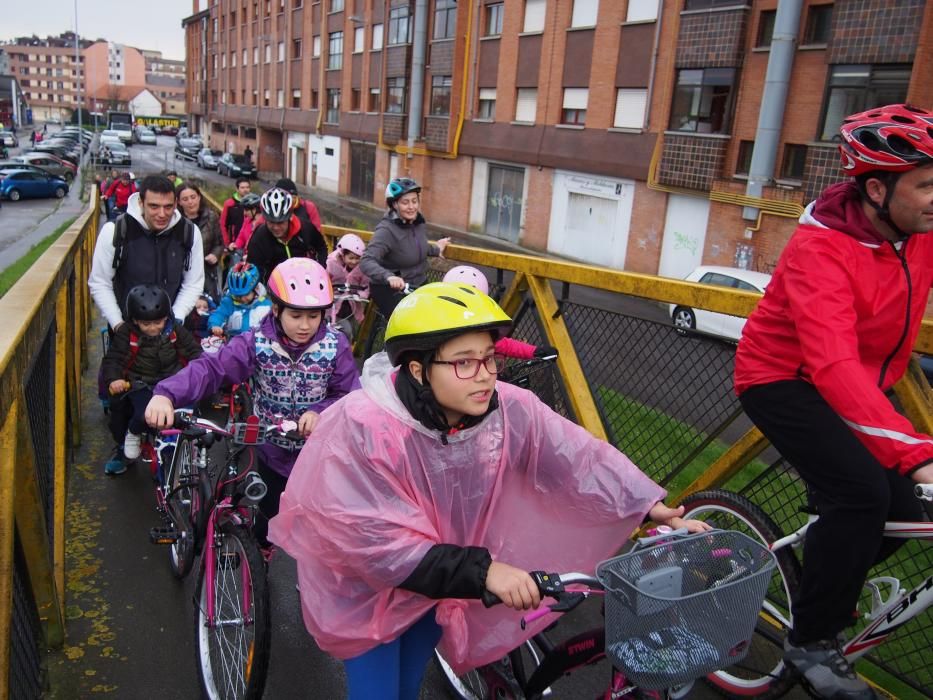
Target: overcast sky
[(149, 24)]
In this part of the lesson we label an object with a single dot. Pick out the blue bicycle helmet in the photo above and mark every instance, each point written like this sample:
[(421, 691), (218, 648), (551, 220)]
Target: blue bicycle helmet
[(399, 186), (242, 279)]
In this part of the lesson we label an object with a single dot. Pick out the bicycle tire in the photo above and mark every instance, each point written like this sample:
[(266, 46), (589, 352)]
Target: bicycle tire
[(183, 506), (762, 673), (243, 676), (483, 683), (376, 340)]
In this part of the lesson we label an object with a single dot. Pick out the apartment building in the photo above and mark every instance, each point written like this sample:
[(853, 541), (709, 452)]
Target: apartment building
[(619, 132)]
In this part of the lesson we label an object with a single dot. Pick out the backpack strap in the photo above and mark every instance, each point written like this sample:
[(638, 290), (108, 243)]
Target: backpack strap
[(134, 351), (188, 241), (119, 239)]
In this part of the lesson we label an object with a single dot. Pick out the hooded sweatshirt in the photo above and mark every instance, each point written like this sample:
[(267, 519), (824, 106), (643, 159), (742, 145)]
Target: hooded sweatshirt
[(286, 381), (398, 249), (374, 491), (100, 280), (842, 312)]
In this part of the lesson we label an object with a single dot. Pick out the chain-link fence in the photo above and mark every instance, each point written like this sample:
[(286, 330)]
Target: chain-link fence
[(40, 410), (25, 678)]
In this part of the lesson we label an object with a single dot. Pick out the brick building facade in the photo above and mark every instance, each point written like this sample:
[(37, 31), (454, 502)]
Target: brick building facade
[(618, 133)]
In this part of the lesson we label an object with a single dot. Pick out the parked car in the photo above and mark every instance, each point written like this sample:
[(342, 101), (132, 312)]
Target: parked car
[(19, 184), (145, 135), (686, 318), (70, 154), (169, 131), (8, 138), (187, 148), (14, 164), (208, 158), (46, 161), (114, 153), (236, 165)]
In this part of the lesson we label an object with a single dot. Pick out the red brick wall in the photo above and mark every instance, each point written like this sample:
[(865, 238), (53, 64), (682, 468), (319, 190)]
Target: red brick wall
[(538, 208), (446, 192), (647, 229)]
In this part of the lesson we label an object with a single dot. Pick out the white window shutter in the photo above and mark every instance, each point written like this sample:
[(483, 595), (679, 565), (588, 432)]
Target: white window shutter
[(576, 98), (642, 10), (487, 93), (630, 108), (534, 15), (584, 13), (526, 106)]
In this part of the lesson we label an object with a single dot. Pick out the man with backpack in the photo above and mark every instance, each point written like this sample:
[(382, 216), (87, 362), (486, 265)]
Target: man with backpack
[(151, 244), (231, 216)]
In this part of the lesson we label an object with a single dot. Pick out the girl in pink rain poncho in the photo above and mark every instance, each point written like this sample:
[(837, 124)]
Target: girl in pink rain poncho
[(435, 483)]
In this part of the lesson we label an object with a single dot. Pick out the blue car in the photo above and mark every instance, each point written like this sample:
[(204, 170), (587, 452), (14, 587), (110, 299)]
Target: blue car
[(17, 184)]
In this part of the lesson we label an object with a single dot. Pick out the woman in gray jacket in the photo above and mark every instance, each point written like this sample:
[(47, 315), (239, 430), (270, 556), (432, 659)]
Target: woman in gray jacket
[(398, 252)]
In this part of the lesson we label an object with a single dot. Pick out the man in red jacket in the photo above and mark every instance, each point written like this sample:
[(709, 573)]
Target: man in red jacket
[(833, 332), (121, 189)]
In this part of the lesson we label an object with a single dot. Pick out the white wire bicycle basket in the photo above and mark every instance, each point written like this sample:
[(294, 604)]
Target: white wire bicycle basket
[(684, 607)]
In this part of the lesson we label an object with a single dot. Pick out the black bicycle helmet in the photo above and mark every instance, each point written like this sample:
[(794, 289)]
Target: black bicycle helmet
[(250, 201), (148, 302), (400, 186)]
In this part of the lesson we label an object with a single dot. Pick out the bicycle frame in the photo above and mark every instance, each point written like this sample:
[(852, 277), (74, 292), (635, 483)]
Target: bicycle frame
[(900, 606), (224, 509)]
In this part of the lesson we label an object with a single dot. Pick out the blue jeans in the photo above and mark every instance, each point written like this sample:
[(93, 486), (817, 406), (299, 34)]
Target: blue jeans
[(393, 671)]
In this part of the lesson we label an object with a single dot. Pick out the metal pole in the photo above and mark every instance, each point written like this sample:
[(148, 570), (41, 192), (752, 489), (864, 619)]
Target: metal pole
[(78, 67), (417, 72)]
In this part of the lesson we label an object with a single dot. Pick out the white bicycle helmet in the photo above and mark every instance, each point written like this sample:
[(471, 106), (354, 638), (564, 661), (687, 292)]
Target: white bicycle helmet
[(276, 205), (352, 243)]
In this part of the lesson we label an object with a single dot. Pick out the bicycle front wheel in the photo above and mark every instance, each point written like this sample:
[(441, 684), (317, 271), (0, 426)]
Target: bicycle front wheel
[(233, 648), (493, 682), (183, 503), (762, 673)]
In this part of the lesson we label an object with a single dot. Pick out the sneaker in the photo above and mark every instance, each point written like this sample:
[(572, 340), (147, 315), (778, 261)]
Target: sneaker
[(826, 671), (131, 446), (116, 464)]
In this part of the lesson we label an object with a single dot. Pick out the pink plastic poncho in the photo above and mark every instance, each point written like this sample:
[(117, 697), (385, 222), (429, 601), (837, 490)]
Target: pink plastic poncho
[(373, 490)]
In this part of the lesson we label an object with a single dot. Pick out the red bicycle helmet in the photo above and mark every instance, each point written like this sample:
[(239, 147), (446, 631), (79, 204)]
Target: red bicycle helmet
[(894, 138)]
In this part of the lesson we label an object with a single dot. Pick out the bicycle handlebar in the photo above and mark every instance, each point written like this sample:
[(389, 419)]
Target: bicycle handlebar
[(924, 492), (552, 585)]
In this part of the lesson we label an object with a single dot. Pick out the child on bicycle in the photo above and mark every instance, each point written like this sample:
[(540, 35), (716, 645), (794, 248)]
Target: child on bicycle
[(143, 351), (343, 268), (243, 305), (298, 366), (196, 322), (434, 484), (250, 206), (505, 346)]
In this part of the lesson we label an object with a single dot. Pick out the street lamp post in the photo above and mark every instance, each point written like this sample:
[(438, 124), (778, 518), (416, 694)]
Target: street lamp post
[(78, 67)]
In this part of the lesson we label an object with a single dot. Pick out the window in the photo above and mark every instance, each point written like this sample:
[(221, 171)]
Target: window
[(395, 95), (296, 48), (857, 88), (335, 50), (817, 27), (445, 19), (534, 15), (494, 19), (232, 98), (265, 98), (245, 58), (630, 108), (314, 102), (377, 37), (795, 157), (255, 55), (268, 53), (765, 28), (574, 109), (359, 39), (280, 99), (255, 98), (336, 5), (223, 60), (399, 25), (584, 13), (440, 94), (355, 100), (703, 100), (316, 47), (281, 51), (709, 4), (487, 104), (642, 11), (743, 163), (526, 105), (333, 106), (375, 101)]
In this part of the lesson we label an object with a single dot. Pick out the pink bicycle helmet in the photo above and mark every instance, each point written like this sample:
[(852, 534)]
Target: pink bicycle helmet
[(894, 138), (301, 283), (352, 243), (464, 274)]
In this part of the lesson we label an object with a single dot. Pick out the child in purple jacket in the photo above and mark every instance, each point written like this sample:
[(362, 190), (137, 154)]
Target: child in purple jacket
[(297, 364)]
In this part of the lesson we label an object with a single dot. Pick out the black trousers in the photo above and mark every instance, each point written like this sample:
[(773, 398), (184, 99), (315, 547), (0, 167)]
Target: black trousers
[(128, 413), (385, 298), (854, 493), (269, 505)]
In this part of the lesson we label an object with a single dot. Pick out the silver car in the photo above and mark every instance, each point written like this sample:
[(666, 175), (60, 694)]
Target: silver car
[(208, 158), (145, 136)]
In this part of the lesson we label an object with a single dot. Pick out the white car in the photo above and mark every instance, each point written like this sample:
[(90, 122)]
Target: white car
[(145, 136), (686, 318)]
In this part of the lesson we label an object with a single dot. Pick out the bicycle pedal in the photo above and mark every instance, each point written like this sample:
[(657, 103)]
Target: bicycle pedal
[(164, 535), (229, 561)]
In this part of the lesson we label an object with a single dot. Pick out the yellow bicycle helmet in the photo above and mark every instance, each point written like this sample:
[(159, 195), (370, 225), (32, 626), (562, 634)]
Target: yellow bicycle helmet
[(437, 312)]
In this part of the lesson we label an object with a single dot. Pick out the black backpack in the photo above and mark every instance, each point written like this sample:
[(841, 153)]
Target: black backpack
[(119, 240)]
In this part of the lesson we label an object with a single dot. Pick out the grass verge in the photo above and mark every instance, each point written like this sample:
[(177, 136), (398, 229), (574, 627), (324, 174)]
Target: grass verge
[(11, 275)]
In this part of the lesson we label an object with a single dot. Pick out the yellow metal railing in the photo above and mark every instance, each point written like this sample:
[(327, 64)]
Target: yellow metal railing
[(49, 307)]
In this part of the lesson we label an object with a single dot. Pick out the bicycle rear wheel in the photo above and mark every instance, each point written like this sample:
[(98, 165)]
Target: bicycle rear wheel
[(184, 506), (492, 682), (233, 653), (762, 673)]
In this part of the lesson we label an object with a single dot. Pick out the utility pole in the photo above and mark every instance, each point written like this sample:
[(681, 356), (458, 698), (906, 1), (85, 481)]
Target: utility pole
[(78, 67)]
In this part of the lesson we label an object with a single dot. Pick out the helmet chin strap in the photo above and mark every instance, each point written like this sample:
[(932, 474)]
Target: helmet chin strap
[(883, 209)]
